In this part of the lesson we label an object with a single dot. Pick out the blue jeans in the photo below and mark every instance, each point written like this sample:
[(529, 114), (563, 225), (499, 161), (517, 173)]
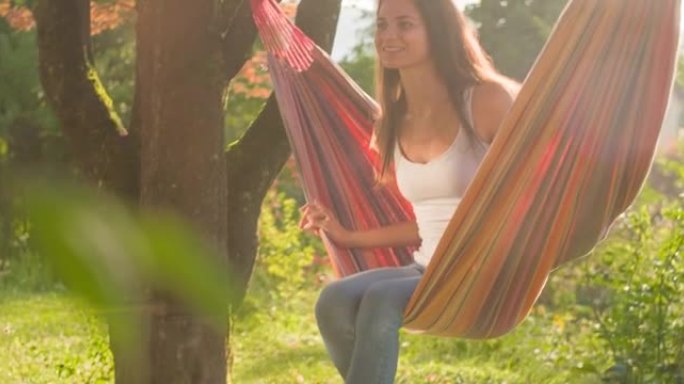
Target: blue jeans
[(359, 319)]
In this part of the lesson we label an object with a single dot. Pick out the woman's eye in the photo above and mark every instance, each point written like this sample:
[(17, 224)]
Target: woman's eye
[(381, 25), (405, 25)]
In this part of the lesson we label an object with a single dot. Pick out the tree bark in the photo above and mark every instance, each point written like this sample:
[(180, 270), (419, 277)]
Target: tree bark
[(180, 84), (239, 34)]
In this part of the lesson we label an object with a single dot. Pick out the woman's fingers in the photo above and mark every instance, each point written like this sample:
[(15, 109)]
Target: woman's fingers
[(302, 221), (305, 213), (313, 207), (313, 211), (304, 207), (314, 217), (317, 220), (312, 228)]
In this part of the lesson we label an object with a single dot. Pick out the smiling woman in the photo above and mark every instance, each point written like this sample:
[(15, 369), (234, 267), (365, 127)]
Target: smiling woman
[(442, 103), (349, 29), (559, 168), (401, 38)]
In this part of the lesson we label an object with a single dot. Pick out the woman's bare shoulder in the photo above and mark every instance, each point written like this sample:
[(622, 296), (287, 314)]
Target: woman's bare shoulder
[(491, 102)]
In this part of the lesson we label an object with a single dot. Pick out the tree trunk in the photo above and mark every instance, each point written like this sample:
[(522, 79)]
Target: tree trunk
[(180, 83), (173, 157)]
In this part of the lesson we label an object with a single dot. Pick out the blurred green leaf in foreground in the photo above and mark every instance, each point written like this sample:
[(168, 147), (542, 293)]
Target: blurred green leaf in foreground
[(107, 254)]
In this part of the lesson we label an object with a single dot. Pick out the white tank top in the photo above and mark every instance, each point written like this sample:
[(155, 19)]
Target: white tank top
[(435, 188)]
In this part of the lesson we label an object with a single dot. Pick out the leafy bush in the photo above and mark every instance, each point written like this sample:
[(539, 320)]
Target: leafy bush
[(287, 261), (639, 278)]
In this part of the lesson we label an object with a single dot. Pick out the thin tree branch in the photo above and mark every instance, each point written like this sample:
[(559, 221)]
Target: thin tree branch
[(104, 153), (238, 37)]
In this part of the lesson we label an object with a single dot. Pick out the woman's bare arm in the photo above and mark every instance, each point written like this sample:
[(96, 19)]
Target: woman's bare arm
[(396, 235), (316, 218)]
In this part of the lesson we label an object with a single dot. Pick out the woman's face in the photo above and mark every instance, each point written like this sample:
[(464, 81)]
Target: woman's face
[(401, 39)]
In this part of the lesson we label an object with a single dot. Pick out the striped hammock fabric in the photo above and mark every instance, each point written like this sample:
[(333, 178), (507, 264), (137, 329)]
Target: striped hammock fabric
[(571, 155)]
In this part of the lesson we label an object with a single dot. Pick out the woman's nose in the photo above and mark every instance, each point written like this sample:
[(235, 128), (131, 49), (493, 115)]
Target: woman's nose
[(388, 34)]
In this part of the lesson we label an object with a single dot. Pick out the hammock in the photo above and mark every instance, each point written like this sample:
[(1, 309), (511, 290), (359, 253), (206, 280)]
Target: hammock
[(571, 155)]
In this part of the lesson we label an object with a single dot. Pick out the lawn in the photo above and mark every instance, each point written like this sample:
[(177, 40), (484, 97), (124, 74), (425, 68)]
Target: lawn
[(51, 337)]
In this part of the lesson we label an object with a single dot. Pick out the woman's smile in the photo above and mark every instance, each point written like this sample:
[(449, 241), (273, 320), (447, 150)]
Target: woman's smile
[(400, 35)]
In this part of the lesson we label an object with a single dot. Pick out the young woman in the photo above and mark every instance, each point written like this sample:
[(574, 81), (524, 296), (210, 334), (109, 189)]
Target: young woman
[(442, 103)]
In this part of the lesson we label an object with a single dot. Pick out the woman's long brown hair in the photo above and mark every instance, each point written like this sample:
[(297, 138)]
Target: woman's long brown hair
[(460, 62)]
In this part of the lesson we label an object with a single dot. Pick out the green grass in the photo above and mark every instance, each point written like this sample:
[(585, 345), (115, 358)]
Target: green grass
[(50, 338), (279, 343), (53, 338)]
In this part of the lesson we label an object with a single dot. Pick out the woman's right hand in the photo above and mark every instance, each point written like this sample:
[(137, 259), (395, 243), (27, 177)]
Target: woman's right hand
[(315, 217)]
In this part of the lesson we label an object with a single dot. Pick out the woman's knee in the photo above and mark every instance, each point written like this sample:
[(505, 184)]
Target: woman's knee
[(380, 309), (334, 304)]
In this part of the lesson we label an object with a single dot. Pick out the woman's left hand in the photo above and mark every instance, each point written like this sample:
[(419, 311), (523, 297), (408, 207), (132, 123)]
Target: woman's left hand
[(316, 217)]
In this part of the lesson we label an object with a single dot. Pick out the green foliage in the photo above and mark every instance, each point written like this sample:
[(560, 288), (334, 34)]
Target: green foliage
[(20, 90), (514, 31), (106, 100), (28, 273), (246, 96), (25, 127), (640, 278), (240, 110), (360, 63), (28, 128), (680, 73), (25, 3), (360, 66), (285, 263), (671, 167), (4, 149), (106, 254), (114, 51)]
